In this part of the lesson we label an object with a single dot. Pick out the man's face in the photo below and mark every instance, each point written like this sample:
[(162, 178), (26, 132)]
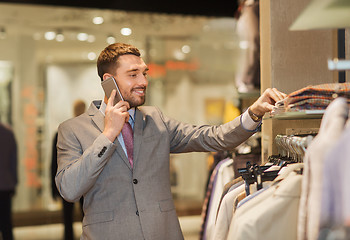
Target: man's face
[(131, 77)]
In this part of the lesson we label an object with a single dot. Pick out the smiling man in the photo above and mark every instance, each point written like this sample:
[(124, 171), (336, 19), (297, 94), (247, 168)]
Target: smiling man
[(117, 156)]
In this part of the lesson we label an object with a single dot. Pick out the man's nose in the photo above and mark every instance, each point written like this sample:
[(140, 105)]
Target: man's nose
[(144, 81)]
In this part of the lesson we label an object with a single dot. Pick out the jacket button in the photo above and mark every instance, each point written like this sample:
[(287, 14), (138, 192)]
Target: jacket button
[(135, 181), (137, 213)]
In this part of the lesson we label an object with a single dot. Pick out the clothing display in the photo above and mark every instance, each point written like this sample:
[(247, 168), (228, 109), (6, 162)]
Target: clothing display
[(335, 210), (316, 97), (274, 217), (222, 189), (224, 174), (225, 212), (241, 161), (332, 126), (228, 206), (307, 199)]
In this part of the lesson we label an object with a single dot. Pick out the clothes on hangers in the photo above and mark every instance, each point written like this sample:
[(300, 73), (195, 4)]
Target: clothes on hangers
[(240, 161), (271, 213), (234, 183), (227, 208), (332, 126), (290, 206), (307, 200), (335, 197), (222, 174)]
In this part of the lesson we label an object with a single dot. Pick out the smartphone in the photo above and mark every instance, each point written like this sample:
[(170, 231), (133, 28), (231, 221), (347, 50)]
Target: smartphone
[(108, 85)]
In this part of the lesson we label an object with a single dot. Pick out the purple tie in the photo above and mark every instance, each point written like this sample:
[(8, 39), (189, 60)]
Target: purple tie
[(129, 141)]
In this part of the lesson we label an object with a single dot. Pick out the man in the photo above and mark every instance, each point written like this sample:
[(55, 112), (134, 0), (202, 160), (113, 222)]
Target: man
[(130, 198), (8, 179)]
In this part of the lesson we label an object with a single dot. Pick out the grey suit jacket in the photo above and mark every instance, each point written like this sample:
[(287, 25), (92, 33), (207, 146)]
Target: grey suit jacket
[(121, 203)]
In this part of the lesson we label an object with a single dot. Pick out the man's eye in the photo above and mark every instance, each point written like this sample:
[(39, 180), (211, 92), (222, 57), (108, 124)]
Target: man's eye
[(145, 74), (133, 75)]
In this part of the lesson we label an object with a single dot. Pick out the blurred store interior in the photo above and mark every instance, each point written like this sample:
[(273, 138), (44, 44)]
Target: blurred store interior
[(195, 54), (48, 61)]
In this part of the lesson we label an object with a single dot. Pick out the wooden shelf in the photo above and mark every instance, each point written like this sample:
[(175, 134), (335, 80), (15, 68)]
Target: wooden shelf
[(308, 114)]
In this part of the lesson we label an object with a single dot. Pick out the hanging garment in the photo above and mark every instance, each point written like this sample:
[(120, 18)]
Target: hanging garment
[(335, 207), (332, 126), (225, 213), (271, 214), (222, 174), (228, 207), (234, 183)]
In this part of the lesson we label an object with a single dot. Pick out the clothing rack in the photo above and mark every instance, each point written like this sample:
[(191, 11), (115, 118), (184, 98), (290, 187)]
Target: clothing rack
[(256, 174), (293, 147)]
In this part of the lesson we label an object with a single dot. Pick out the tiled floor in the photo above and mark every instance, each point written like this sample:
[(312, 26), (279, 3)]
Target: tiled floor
[(190, 226)]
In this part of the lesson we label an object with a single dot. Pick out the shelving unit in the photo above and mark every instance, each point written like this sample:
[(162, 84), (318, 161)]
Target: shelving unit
[(291, 60), (307, 114)]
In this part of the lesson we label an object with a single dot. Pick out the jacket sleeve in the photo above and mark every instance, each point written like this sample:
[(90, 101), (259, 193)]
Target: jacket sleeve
[(78, 170), (188, 138)]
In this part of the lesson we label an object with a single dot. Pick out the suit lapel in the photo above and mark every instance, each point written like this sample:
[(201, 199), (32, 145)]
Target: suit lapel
[(99, 120), (138, 131), (96, 116)]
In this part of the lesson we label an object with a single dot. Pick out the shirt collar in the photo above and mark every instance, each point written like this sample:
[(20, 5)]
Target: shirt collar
[(131, 111)]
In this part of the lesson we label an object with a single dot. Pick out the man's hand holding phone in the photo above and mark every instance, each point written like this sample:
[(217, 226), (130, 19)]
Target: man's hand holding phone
[(115, 117)]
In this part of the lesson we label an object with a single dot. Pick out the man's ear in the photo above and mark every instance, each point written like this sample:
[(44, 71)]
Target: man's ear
[(106, 75)]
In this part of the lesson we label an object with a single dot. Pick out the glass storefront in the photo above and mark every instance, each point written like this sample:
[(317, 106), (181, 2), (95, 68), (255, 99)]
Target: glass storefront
[(48, 61)]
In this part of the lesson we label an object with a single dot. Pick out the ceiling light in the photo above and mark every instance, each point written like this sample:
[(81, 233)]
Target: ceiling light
[(186, 49), (91, 56), (50, 35), (97, 20), (126, 31), (59, 37), (110, 40), (82, 36), (179, 55)]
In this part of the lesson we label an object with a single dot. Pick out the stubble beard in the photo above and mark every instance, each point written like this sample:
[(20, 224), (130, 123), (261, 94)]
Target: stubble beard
[(135, 101)]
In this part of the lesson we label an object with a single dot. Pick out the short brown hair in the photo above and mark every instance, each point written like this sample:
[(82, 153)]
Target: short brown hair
[(107, 62)]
